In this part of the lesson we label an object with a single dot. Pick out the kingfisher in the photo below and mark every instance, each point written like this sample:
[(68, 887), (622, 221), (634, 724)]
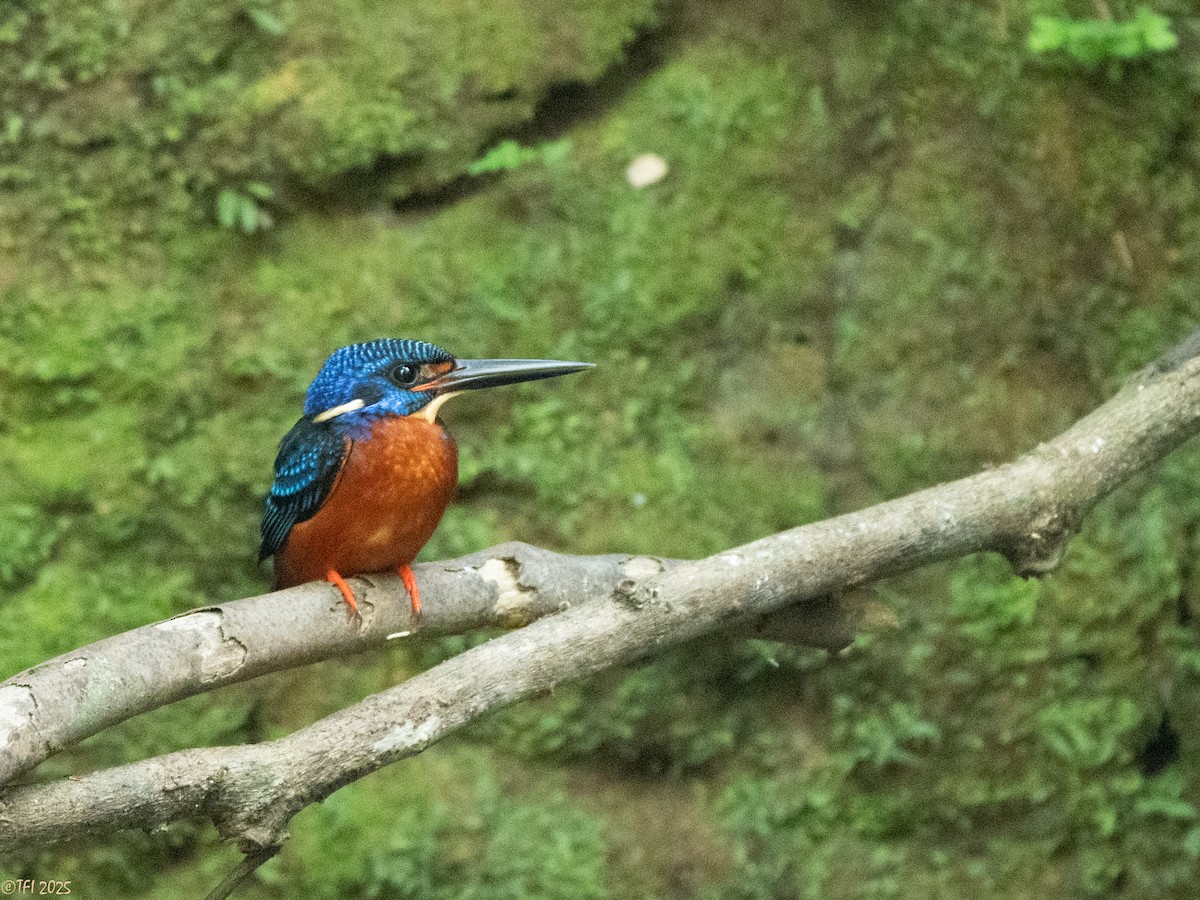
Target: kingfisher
[(362, 479)]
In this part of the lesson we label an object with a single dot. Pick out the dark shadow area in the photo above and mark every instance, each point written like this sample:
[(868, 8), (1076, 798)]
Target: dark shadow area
[(564, 106), (569, 104), (1161, 750)]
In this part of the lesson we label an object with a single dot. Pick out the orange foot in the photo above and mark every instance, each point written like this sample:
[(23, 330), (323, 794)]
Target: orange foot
[(339, 582), (410, 583)]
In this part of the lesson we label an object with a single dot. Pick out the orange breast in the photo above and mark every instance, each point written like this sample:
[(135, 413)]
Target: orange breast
[(387, 501)]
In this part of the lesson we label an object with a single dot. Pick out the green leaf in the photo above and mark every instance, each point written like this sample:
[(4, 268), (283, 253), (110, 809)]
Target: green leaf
[(13, 126), (228, 203), (1047, 34), (504, 157), (260, 190), (1126, 43), (248, 214), (1168, 808), (1157, 31), (1191, 843), (1091, 42), (556, 153), (267, 21)]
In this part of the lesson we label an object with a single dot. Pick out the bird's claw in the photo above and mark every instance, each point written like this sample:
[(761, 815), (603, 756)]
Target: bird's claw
[(334, 578), (410, 584)]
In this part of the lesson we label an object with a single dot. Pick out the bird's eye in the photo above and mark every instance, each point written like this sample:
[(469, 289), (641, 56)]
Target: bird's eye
[(405, 375)]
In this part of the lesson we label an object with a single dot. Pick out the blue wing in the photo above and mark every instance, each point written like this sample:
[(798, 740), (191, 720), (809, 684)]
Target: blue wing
[(310, 458)]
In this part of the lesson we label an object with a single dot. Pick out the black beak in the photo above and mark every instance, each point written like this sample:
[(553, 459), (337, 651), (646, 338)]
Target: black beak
[(469, 374)]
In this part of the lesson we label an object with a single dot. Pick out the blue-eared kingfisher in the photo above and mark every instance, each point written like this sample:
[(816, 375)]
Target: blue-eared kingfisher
[(362, 480)]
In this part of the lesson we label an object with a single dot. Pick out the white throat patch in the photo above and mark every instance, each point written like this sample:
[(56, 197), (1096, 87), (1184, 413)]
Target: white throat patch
[(430, 410)]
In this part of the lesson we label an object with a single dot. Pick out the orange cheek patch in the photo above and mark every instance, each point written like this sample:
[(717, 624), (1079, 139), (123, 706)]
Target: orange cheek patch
[(431, 371)]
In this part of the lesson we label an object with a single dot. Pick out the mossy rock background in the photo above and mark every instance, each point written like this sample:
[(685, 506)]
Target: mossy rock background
[(892, 247)]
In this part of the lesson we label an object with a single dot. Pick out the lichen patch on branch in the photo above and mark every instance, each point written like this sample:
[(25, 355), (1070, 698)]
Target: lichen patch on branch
[(220, 655), (17, 705), (639, 567), (512, 597), (407, 736)]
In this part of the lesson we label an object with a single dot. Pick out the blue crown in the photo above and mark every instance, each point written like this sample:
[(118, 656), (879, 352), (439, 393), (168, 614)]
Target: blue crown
[(348, 366)]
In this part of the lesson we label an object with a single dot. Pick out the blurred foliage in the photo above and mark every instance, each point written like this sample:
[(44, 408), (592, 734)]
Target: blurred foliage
[(1091, 42), (888, 251), (509, 155), (488, 846)]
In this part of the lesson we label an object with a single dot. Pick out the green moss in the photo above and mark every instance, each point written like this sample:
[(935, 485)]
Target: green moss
[(133, 126), (887, 251), (1044, 699), (418, 844)]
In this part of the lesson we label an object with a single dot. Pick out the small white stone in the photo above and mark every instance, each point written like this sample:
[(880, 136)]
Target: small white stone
[(645, 170)]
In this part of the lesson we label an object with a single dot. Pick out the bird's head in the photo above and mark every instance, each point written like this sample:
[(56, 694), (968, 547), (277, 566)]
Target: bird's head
[(364, 382)]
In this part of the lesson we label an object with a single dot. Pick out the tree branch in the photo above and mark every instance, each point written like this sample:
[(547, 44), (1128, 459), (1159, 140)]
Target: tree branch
[(1026, 510), (60, 702), (243, 870)]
